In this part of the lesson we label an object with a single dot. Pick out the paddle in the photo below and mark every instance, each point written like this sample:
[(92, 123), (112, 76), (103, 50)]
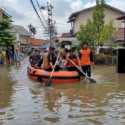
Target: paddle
[(89, 78), (49, 83)]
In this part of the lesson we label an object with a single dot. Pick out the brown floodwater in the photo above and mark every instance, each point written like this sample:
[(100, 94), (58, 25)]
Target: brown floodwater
[(26, 102)]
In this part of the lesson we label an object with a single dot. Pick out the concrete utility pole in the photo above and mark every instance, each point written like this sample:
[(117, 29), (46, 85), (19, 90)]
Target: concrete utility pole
[(51, 23)]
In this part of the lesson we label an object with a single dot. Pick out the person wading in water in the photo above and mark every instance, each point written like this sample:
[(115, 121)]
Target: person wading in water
[(86, 59)]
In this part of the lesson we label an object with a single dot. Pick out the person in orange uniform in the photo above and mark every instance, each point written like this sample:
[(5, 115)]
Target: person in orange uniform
[(68, 64), (86, 59)]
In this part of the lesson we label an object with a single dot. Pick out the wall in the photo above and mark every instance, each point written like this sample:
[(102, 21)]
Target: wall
[(109, 15), (1, 12)]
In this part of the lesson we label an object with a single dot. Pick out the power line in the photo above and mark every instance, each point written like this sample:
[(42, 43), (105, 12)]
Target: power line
[(41, 11), (37, 14)]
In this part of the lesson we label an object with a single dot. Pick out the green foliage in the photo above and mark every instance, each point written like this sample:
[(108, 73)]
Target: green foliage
[(6, 36), (86, 33), (106, 33), (96, 31), (98, 17)]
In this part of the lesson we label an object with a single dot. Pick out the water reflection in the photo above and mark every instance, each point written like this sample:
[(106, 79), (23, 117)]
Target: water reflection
[(29, 103), (6, 89)]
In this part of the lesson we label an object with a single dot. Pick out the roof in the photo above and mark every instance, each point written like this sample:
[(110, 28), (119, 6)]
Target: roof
[(73, 15), (120, 34), (66, 35), (4, 12), (20, 30), (37, 42), (121, 17)]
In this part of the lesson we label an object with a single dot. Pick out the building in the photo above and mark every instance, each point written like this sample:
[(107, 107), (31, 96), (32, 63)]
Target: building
[(22, 37), (38, 43), (66, 39), (3, 13), (120, 35), (81, 17)]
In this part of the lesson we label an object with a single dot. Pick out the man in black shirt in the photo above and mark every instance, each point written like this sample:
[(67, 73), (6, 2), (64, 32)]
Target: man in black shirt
[(52, 57)]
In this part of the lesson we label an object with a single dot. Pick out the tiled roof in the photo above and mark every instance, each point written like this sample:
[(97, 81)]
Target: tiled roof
[(66, 35), (4, 12), (73, 15), (37, 42), (121, 17)]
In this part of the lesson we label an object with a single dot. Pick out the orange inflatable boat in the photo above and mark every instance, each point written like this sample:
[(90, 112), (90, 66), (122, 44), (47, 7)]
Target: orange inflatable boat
[(57, 78)]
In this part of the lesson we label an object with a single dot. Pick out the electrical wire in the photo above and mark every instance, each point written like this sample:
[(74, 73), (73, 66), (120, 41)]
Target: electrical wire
[(38, 14), (41, 11)]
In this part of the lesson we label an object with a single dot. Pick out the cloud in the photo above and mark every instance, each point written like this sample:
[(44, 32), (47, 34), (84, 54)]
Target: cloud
[(76, 5), (89, 4), (61, 7), (118, 4)]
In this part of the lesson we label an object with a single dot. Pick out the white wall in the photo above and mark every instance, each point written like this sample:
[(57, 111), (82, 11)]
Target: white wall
[(109, 15)]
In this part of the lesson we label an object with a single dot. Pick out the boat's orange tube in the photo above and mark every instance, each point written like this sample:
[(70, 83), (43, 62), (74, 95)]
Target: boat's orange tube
[(58, 76)]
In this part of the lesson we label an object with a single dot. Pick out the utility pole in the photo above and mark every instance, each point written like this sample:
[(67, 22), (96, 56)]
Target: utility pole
[(50, 22)]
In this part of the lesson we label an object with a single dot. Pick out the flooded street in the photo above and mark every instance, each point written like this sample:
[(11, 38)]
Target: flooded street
[(26, 102)]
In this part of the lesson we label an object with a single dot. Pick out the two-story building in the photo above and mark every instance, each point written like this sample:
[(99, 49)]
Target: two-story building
[(3, 13), (22, 36), (81, 17)]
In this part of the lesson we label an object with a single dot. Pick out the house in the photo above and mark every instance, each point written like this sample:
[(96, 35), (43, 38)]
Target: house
[(120, 35), (66, 39), (22, 36), (3, 13), (38, 43), (81, 17)]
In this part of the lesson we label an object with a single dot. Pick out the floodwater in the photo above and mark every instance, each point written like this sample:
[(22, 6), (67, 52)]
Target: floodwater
[(26, 102)]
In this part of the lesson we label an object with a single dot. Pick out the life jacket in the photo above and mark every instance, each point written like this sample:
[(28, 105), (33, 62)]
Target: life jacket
[(45, 64), (85, 56), (69, 64)]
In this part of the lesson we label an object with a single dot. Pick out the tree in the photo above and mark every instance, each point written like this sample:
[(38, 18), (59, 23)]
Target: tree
[(86, 33), (98, 17), (106, 33), (96, 32), (6, 36)]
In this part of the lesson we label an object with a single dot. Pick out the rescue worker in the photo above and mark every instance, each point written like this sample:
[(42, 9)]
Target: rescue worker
[(45, 64), (69, 65), (1, 60), (35, 58), (52, 57), (17, 57), (86, 59)]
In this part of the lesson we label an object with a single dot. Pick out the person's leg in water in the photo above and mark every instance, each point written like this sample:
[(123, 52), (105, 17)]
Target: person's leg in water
[(88, 70)]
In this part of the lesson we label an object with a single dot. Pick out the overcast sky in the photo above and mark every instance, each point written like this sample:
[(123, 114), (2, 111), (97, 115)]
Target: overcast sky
[(22, 12)]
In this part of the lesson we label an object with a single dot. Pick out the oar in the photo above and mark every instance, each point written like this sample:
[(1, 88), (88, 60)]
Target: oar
[(89, 78), (49, 83)]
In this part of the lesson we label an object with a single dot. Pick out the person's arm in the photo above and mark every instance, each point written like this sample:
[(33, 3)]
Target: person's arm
[(50, 60), (79, 58)]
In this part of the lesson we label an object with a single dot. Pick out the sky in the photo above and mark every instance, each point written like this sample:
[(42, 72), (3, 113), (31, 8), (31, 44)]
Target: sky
[(23, 14)]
